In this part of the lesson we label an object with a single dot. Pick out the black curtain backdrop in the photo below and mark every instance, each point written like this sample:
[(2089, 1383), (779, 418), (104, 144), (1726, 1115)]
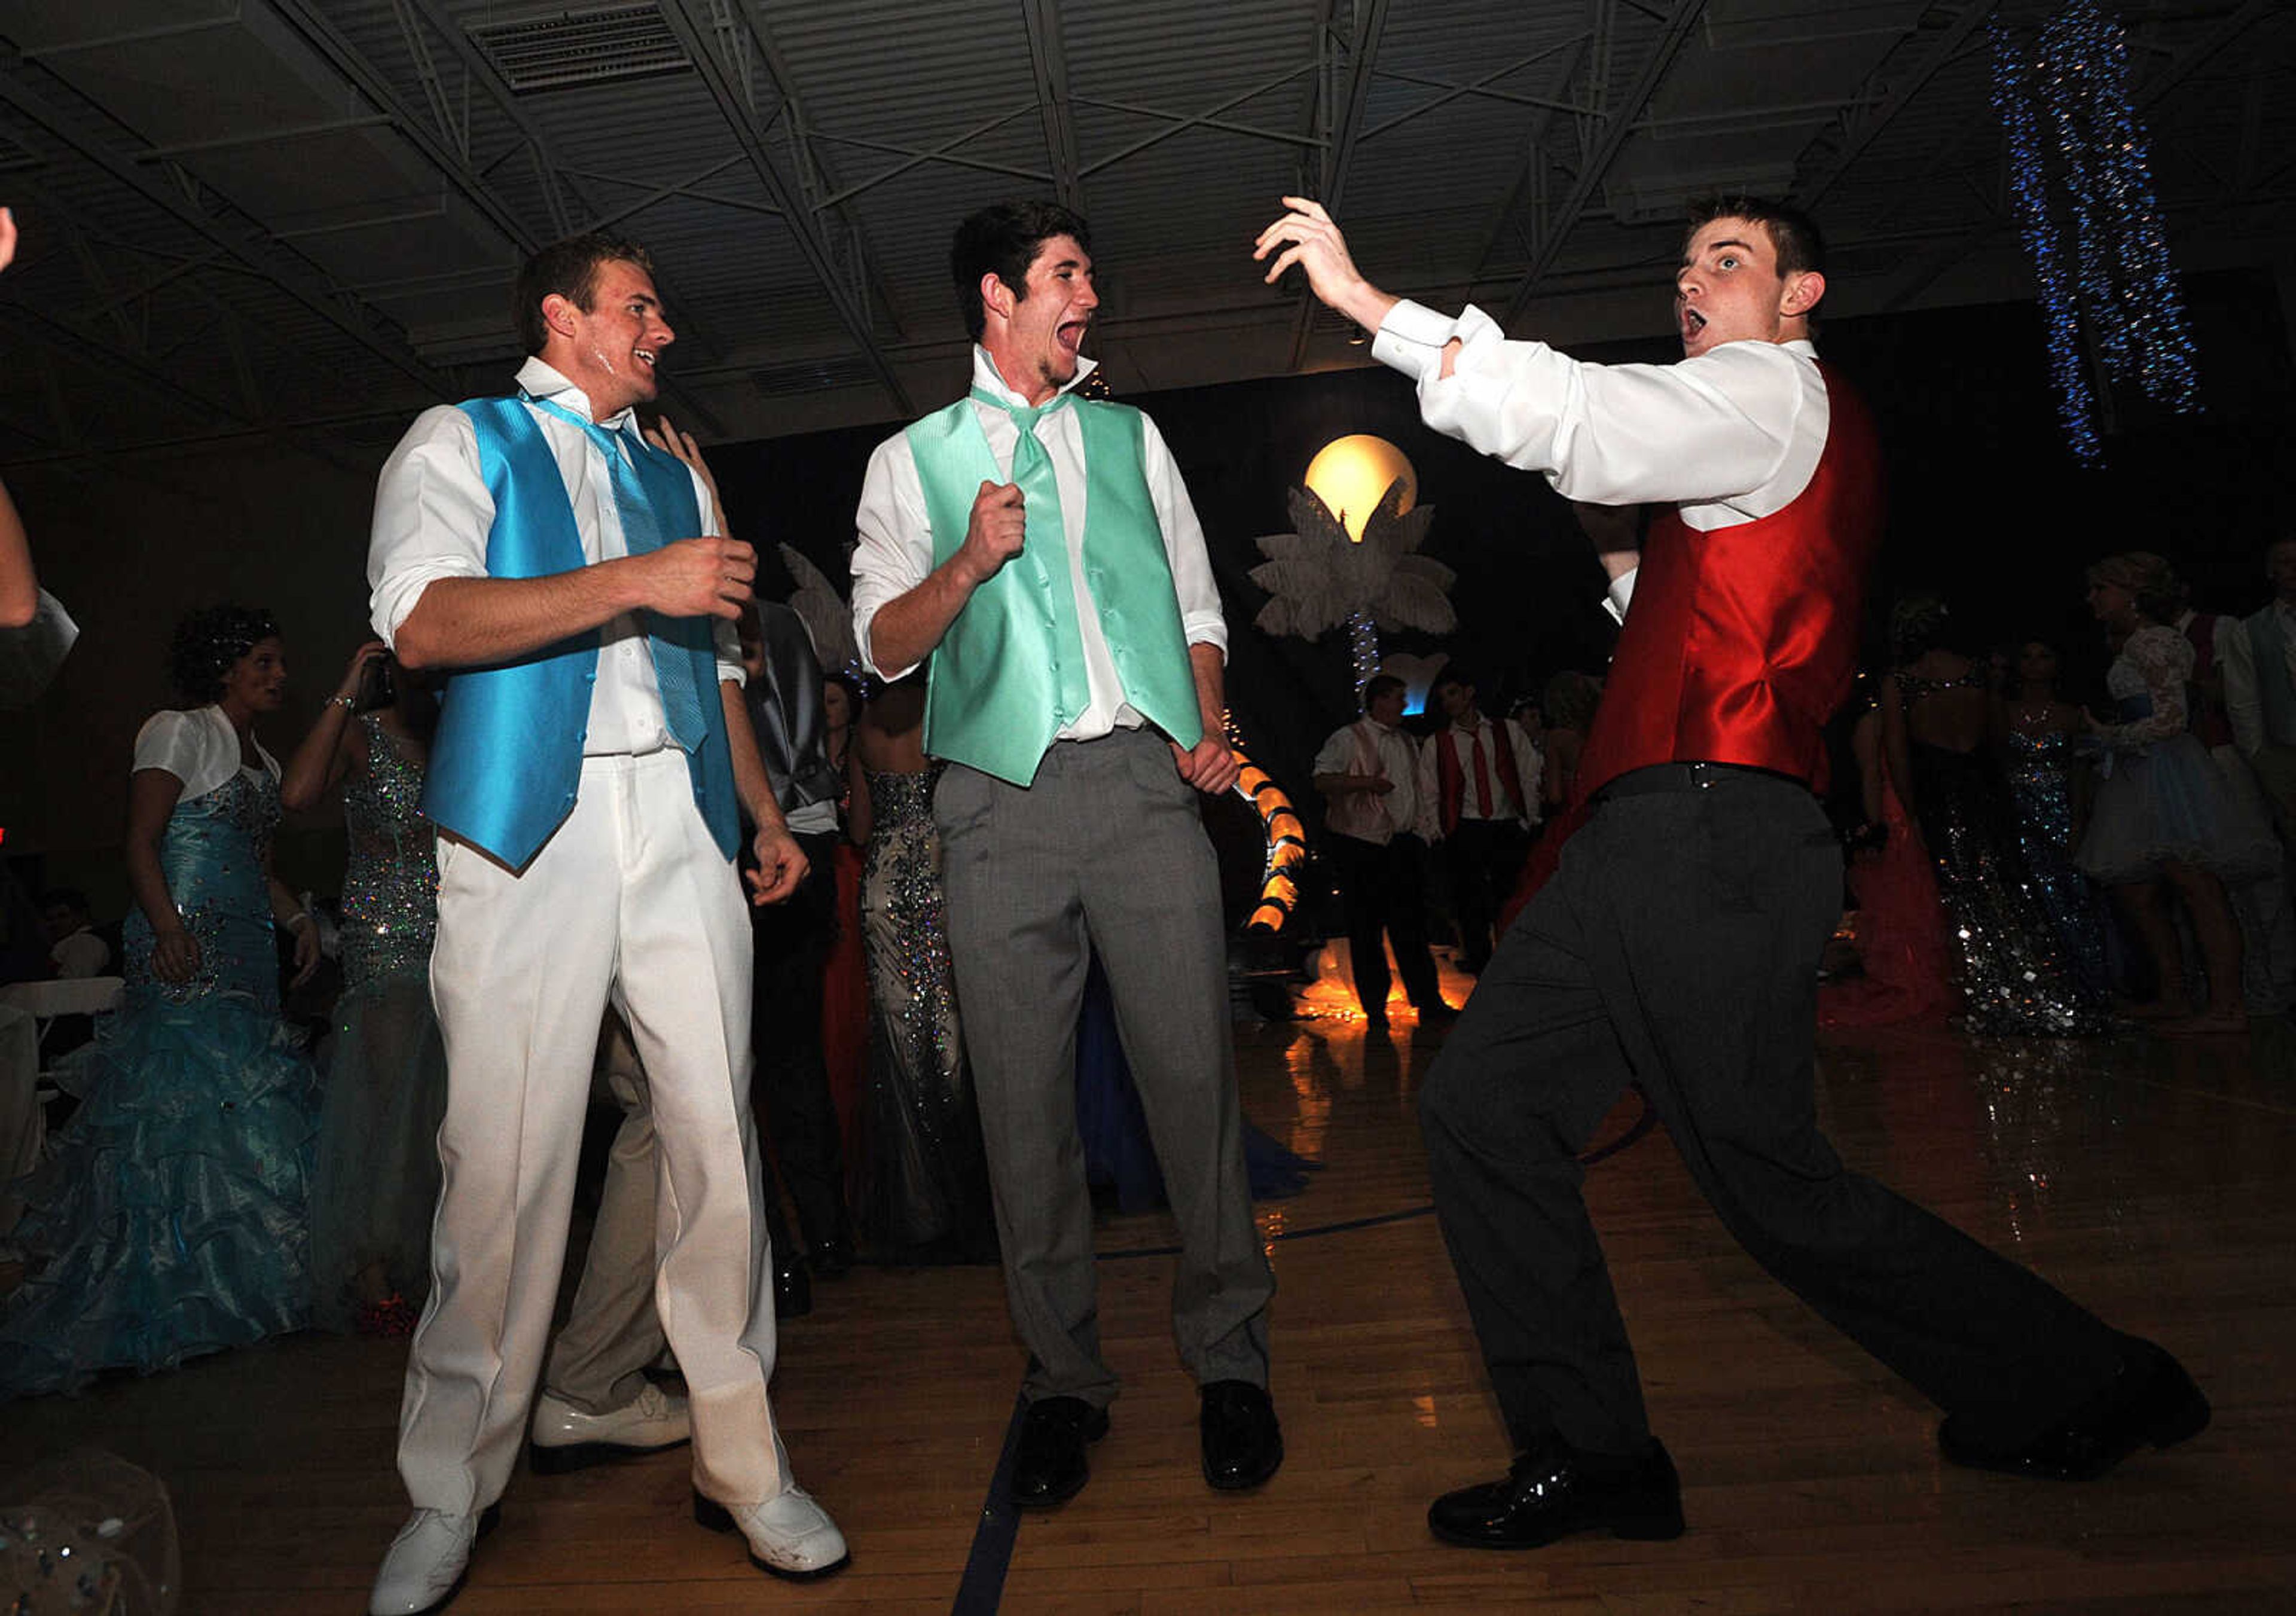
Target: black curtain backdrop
[(1987, 504)]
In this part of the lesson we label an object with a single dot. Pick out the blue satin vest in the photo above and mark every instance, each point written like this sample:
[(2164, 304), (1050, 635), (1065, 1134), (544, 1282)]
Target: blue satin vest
[(506, 763)]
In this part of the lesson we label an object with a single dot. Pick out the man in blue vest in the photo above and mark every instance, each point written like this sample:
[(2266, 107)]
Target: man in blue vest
[(591, 753), (1039, 553)]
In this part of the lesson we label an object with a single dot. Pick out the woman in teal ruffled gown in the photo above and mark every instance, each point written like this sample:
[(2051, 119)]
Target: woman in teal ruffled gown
[(375, 1185), (169, 1219)]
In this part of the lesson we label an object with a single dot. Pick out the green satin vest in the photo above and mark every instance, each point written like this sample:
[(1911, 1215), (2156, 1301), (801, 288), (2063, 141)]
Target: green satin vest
[(1010, 672)]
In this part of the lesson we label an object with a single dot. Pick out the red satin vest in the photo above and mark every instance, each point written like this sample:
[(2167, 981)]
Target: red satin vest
[(1740, 643)]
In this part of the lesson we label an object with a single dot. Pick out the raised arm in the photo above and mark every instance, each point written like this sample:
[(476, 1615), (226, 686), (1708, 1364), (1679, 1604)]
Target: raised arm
[(19, 588), (326, 750)]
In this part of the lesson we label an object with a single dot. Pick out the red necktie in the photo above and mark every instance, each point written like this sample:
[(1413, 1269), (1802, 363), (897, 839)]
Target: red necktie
[(1482, 780)]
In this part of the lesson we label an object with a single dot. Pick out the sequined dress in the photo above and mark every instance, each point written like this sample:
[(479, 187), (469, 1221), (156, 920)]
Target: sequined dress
[(375, 1186), (2010, 969), (2040, 788), (924, 1187), (170, 1218)]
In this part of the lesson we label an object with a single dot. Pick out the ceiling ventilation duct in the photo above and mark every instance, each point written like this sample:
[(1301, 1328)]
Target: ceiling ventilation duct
[(561, 50)]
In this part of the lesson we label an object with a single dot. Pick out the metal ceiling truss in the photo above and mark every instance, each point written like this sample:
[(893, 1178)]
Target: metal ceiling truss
[(1341, 99), (1048, 58), (1526, 196), (1601, 137), (1864, 118), (719, 44)]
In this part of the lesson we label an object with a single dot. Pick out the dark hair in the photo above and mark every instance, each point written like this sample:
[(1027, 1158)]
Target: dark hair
[(2159, 594), (1005, 238), (1793, 234), (207, 644), (1450, 673), (571, 269), (1918, 625), (64, 897), (1378, 685), (1570, 700)]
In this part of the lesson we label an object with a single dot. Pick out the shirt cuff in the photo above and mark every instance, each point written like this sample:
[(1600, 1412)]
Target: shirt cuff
[(1411, 339), (1211, 630), (1622, 596), (865, 618)]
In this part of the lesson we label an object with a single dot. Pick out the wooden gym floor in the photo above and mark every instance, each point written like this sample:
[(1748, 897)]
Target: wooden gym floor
[(2155, 1181)]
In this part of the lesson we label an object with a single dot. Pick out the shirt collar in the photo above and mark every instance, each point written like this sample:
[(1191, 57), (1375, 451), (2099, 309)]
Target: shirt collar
[(543, 380), (985, 376)]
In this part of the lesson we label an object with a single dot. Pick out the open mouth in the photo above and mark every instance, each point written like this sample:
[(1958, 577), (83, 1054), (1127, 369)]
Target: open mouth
[(1693, 323), (1070, 336), (647, 358)]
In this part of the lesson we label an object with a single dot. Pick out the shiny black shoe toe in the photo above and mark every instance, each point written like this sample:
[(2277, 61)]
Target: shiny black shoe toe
[(1551, 1494), (1050, 1467), (1243, 1444), (2152, 1400), (831, 1259)]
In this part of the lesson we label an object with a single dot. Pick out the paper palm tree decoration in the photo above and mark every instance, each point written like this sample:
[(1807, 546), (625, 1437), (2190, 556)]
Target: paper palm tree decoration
[(1317, 578), (826, 616)]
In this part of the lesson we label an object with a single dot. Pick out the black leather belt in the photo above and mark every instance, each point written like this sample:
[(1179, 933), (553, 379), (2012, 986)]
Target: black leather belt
[(1685, 777)]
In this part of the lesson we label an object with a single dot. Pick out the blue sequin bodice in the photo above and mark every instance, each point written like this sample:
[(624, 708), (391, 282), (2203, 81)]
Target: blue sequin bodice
[(212, 857), (391, 892)]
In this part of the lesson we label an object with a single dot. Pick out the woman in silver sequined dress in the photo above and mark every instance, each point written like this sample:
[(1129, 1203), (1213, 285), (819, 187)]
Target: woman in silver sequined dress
[(924, 1190), (2048, 787), (376, 1181), (1937, 721)]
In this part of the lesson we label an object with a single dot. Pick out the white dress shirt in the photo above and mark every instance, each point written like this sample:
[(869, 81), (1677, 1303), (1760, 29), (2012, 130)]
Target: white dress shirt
[(2244, 702), (1729, 437), (1368, 746), (896, 541), (1529, 764), (432, 514)]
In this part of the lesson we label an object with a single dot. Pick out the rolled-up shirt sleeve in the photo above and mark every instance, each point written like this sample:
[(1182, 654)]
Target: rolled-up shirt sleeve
[(724, 639), (893, 544), (1197, 591), (432, 514), (1701, 430)]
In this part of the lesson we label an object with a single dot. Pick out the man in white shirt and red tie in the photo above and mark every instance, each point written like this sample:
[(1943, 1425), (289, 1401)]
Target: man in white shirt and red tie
[(1676, 946), (1482, 778)]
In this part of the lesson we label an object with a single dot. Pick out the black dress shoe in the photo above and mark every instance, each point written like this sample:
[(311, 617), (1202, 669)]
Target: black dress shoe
[(2151, 1400), (1049, 1467), (1554, 1491), (1242, 1443), (1437, 1014), (831, 1259), (793, 1290)]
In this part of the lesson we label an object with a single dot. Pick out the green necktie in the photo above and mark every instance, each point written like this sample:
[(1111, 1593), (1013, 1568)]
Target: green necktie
[(1032, 473)]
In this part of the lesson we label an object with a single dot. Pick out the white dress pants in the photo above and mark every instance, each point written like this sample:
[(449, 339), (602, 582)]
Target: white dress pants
[(629, 902)]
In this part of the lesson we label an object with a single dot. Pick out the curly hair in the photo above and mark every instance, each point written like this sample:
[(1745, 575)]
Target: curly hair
[(1918, 623), (207, 644), (2160, 594)]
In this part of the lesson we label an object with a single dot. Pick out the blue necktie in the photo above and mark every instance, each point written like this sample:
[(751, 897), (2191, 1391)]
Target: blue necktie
[(641, 535)]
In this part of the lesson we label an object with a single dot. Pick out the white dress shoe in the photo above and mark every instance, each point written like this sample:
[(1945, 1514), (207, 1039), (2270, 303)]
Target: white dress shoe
[(791, 1536), (425, 1562), (566, 1439)]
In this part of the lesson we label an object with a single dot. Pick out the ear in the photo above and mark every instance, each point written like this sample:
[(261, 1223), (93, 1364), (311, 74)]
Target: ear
[(558, 312), (995, 297), (1803, 292)]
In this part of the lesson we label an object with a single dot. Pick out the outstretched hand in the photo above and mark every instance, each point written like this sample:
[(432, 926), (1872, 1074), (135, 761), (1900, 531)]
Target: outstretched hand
[(1309, 238)]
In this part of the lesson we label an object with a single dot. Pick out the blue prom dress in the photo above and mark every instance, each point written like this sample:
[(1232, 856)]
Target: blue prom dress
[(170, 1218)]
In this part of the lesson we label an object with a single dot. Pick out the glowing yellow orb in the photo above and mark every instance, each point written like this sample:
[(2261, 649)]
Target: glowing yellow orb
[(1351, 474)]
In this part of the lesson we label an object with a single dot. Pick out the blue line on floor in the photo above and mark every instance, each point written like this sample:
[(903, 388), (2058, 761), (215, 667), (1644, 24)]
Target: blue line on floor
[(982, 1587), (1321, 1228)]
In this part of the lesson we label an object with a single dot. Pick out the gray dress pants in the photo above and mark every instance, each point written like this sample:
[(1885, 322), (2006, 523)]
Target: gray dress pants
[(1104, 853)]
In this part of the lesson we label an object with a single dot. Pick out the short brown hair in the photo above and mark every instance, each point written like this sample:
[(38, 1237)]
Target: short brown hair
[(568, 268), (1793, 234)]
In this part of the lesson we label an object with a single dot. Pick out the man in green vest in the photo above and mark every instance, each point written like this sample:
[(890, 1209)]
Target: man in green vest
[(1038, 554)]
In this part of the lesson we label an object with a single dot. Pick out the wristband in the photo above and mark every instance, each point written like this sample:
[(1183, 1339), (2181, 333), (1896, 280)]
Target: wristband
[(348, 703)]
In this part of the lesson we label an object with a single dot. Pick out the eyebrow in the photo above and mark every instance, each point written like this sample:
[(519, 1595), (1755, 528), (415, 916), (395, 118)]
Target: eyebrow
[(1713, 247)]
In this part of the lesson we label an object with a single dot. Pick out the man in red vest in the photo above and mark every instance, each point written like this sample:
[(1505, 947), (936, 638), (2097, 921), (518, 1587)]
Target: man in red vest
[(1481, 779), (1676, 946)]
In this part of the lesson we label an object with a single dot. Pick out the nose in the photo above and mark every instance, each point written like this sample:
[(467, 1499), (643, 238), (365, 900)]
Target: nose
[(661, 336), (1087, 295)]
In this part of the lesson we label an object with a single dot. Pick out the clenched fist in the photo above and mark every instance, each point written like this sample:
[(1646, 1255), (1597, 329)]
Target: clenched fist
[(997, 532), (698, 578)]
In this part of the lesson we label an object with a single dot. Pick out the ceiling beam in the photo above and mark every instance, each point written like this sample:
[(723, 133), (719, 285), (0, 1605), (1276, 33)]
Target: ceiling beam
[(333, 304), (1861, 128), (1530, 173), (695, 35), (1049, 59), (1615, 127), (1340, 138)]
